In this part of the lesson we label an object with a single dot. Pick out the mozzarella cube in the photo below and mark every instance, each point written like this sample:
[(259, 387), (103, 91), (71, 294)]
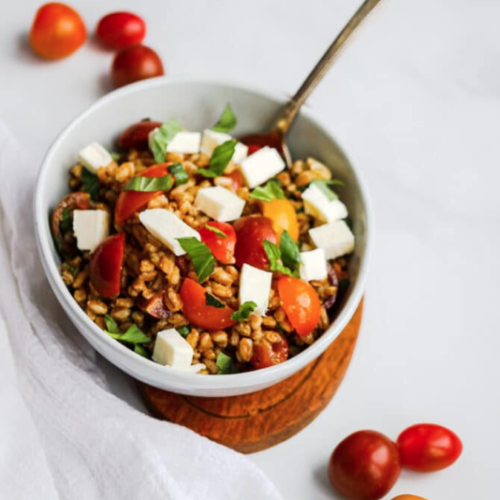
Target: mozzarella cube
[(317, 204), (172, 349), (335, 238), (219, 203), (94, 156), (240, 153), (261, 166), (313, 266), (193, 368), (185, 143), (166, 226), (91, 227), (255, 286), (211, 139)]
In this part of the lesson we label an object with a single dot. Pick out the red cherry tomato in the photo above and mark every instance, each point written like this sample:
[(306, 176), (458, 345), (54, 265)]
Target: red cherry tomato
[(154, 306), (57, 31), (198, 313), (129, 202), (301, 304), (137, 135), (252, 148), (134, 63), (120, 29), (106, 263), (428, 447), (250, 233), (364, 466), (237, 177), (266, 354), (221, 248)]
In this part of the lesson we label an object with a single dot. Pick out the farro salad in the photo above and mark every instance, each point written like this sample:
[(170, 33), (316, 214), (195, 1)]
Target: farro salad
[(200, 252)]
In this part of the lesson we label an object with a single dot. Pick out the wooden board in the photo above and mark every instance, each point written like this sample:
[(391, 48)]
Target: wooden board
[(257, 421)]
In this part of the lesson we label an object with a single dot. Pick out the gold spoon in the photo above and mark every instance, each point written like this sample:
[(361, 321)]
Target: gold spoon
[(276, 137)]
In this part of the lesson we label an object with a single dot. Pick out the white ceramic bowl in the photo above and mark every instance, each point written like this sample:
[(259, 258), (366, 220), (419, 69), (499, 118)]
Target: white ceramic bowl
[(196, 103)]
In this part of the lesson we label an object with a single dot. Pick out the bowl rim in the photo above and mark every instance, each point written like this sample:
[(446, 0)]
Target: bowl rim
[(229, 381)]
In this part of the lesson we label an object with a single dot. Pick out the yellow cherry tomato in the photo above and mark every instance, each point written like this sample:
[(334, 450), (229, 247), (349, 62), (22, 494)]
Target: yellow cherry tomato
[(408, 497), (283, 215)]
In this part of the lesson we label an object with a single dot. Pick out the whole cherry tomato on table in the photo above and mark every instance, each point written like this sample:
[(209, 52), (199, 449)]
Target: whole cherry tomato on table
[(135, 63), (284, 217), (57, 31), (266, 354), (428, 447), (222, 247), (364, 466), (137, 135), (120, 29)]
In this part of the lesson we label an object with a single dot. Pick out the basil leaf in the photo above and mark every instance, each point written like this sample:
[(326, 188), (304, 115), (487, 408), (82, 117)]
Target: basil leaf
[(212, 301), (244, 311), (90, 183), (138, 349), (59, 244), (226, 364), (181, 176), (324, 187), (162, 137), (215, 230), (271, 191), (274, 255), (111, 324), (150, 184), (134, 335), (201, 257), (290, 254), (220, 158), (115, 156), (147, 119), (66, 224), (184, 330), (227, 120)]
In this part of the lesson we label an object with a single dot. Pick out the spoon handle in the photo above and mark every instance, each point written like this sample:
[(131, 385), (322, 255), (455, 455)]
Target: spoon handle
[(290, 111)]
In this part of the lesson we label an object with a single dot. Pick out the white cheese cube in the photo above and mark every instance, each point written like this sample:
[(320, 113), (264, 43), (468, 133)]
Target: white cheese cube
[(255, 286), (91, 227), (313, 266), (261, 166), (166, 226), (211, 139), (240, 153), (94, 156), (185, 143), (317, 204), (193, 368), (172, 349), (335, 238), (219, 203), (150, 138)]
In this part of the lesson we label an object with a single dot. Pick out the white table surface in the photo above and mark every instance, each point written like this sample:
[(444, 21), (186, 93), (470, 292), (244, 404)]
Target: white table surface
[(415, 102)]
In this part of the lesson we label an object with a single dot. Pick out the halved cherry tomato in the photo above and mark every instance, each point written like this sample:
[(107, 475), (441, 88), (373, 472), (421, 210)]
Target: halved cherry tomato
[(134, 63), (198, 313), (428, 447), (364, 466), (237, 177), (106, 263), (301, 304), (221, 248), (266, 354), (251, 231), (284, 217), (119, 29), (136, 136), (57, 31), (154, 306), (408, 497), (252, 148), (129, 202)]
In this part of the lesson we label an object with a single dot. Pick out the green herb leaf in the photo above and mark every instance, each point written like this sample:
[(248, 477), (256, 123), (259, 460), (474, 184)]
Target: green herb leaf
[(115, 156), (271, 191), (227, 120), (150, 184), (111, 324), (66, 220), (212, 301), (59, 244), (220, 158), (184, 330), (147, 119), (181, 176), (226, 364), (201, 257), (290, 253), (90, 183), (134, 335), (324, 186), (138, 349), (162, 137), (215, 230), (244, 311), (274, 255)]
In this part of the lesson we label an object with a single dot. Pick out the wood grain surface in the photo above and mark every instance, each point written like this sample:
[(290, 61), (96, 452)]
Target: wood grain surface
[(257, 421)]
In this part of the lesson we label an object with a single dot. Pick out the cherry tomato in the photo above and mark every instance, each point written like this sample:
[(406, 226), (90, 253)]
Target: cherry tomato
[(198, 313), (136, 136), (221, 248), (129, 202), (57, 31), (134, 63), (154, 306), (252, 148), (106, 263), (237, 177), (250, 233), (284, 217), (119, 29), (408, 497), (266, 354), (364, 466), (428, 447), (301, 304)]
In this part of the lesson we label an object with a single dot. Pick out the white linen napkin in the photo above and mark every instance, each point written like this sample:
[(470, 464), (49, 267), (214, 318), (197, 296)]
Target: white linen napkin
[(62, 434)]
